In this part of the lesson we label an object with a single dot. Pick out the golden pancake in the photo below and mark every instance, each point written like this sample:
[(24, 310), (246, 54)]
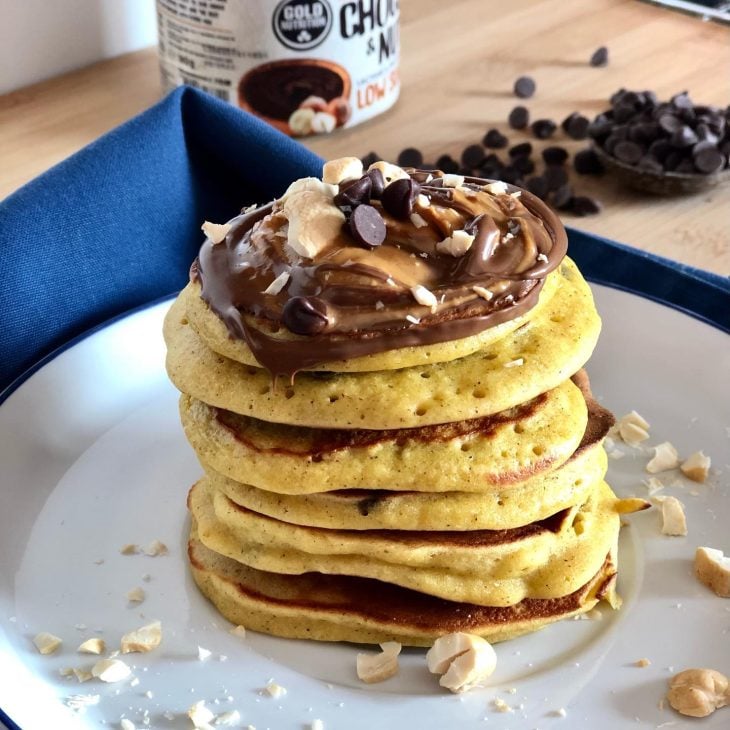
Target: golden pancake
[(532, 360), (344, 608)]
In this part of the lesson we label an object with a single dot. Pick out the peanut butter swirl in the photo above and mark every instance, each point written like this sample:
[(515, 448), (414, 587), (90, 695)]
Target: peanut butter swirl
[(459, 255)]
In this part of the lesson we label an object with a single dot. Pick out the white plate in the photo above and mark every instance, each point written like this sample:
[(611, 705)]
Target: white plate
[(93, 457)]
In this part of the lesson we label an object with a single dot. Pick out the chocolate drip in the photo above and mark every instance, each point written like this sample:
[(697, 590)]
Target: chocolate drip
[(368, 294)]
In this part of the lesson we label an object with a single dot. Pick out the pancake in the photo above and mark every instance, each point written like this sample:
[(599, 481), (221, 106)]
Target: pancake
[(536, 358), (211, 329), (473, 455), (344, 608), (484, 567)]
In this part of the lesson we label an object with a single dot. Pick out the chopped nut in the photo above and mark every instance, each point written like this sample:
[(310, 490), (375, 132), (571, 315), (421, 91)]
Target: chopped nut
[(203, 654), (143, 639), (698, 692), (631, 504), (156, 548), (129, 549), (483, 293), (125, 724), (424, 296), (644, 662), (713, 569), (201, 716), (136, 595), (239, 631), (633, 429), (464, 660), (423, 201), (654, 485), (317, 725), (46, 643), (496, 188), (323, 123), (457, 244), (216, 232), (343, 168), (300, 122), (453, 181), (111, 670), (560, 712), (418, 220), (81, 702), (501, 706), (275, 690), (696, 467), (277, 284), (665, 458), (92, 646), (515, 363), (314, 222), (228, 719), (373, 668), (82, 675), (413, 320), (673, 519), (389, 171)]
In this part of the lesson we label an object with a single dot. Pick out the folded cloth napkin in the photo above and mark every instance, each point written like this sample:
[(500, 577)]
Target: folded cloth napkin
[(117, 225)]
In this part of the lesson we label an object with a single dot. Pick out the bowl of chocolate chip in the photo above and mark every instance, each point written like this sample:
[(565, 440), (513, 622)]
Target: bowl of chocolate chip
[(670, 147)]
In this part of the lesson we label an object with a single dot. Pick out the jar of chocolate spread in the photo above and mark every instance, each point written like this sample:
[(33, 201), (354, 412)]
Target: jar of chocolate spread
[(305, 66)]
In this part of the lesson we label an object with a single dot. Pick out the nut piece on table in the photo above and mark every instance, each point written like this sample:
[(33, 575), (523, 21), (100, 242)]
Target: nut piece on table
[(673, 520), (633, 428), (111, 670), (698, 692), (665, 458), (200, 715), (341, 169), (46, 643), (373, 668), (713, 569), (696, 467), (464, 660), (143, 639), (94, 645)]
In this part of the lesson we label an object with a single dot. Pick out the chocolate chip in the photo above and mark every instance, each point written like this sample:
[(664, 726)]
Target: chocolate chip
[(649, 163), (523, 164), (562, 196), (587, 162), (707, 158), (524, 87), (683, 137), (410, 157), (369, 159), (305, 315), (681, 101), (670, 123), (519, 117), (628, 152), (354, 192), (600, 127), (524, 149), (377, 183), (582, 205), (472, 156), (495, 140), (555, 177), (543, 128), (447, 164), (599, 57), (537, 185), (399, 196), (367, 225), (576, 126), (555, 155)]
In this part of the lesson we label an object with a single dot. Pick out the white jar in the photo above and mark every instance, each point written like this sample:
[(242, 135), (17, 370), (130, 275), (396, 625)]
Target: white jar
[(305, 66)]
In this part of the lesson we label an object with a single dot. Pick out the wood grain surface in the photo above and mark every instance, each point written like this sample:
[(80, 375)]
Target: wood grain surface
[(459, 61)]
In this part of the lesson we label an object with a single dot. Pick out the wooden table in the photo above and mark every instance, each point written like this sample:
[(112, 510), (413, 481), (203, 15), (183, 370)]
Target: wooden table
[(459, 60)]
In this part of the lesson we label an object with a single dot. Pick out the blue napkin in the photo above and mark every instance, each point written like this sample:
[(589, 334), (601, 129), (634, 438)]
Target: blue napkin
[(117, 225)]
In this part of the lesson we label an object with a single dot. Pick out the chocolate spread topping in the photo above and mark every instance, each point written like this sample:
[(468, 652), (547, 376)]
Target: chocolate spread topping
[(365, 300)]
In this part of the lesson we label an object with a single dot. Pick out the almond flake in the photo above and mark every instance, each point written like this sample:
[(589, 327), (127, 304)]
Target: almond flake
[(136, 595), (142, 640), (46, 643), (696, 467), (665, 458), (424, 296), (92, 646), (216, 232), (483, 293), (496, 188), (277, 284), (111, 670)]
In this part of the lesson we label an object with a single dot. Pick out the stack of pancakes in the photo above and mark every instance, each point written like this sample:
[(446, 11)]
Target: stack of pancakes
[(405, 493)]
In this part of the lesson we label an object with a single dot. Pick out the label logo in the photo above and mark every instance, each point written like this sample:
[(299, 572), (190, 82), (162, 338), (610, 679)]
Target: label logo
[(302, 24)]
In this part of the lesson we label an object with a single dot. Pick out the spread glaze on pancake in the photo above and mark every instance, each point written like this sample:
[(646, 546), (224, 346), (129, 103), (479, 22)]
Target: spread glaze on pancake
[(473, 455), (345, 608), (537, 357)]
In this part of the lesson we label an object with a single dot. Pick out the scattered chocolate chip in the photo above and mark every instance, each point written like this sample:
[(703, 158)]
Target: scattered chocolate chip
[(562, 196), (576, 126), (472, 156), (555, 155), (377, 182), (523, 164), (305, 315), (555, 177), (707, 158), (519, 117), (369, 159), (543, 128), (355, 192), (367, 225), (524, 87), (582, 205), (586, 162), (537, 185), (524, 149), (600, 127), (447, 164), (628, 152), (398, 198), (599, 57), (495, 140), (410, 157)]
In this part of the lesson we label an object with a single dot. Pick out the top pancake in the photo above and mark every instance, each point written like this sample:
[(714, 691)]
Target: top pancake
[(211, 329), (525, 363)]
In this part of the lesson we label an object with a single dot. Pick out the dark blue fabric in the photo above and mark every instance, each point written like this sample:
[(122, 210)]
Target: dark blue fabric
[(118, 224)]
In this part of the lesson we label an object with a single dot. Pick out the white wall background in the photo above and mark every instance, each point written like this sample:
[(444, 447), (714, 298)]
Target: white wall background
[(43, 38)]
